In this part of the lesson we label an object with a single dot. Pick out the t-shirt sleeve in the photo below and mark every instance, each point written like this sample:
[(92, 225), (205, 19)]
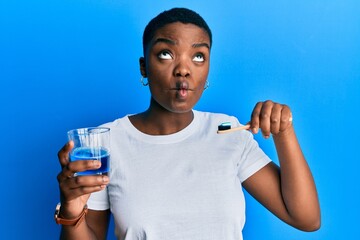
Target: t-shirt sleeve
[(99, 200), (252, 159)]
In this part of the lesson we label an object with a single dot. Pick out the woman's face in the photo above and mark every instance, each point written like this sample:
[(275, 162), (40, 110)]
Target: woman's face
[(177, 66)]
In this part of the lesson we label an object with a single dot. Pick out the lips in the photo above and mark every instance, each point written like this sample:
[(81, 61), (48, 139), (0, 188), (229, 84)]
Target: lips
[(182, 89), (182, 92), (182, 85)]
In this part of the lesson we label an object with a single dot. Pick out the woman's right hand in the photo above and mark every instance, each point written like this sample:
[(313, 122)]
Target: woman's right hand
[(75, 190)]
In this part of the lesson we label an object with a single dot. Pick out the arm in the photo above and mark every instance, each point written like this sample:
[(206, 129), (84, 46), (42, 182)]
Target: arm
[(289, 191), (94, 227), (74, 194)]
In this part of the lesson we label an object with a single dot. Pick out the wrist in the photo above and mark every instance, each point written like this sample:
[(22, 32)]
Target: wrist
[(69, 219), (288, 132), (71, 209)]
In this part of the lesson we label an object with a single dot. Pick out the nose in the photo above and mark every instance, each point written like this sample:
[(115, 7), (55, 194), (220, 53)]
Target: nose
[(182, 69)]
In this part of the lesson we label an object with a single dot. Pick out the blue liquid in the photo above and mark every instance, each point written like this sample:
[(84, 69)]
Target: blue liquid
[(86, 153)]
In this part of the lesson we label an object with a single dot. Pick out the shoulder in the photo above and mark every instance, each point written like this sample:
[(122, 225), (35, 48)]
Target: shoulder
[(116, 123), (208, 123), (216, 118)]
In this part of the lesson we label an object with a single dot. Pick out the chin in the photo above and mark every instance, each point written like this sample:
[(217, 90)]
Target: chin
[(179, 109), (174, 106)]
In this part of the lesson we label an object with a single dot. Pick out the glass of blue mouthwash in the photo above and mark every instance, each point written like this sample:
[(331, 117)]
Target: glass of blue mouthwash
[(91, 143)]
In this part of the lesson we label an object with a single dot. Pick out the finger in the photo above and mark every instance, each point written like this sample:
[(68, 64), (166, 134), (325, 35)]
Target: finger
[(71, 194), (72, 188), (87, 181), (275, 118), (265, 118), (78, 166), (77, 192), (63, 154), (65, 174), (255, 115), (286, 118)]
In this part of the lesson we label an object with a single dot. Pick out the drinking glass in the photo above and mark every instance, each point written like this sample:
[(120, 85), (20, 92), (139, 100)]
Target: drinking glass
[(91, 143)]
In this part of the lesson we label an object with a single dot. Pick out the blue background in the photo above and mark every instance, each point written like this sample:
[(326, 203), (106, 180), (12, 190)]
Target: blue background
[(67, 64)]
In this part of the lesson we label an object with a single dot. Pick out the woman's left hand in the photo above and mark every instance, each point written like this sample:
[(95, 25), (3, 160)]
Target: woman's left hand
[(271, 118)]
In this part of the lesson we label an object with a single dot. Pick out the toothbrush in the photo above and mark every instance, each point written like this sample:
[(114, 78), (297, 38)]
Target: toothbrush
[(225, 127)]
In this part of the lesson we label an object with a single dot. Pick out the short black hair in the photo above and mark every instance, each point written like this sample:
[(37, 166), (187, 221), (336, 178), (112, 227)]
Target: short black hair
[(173, 15)]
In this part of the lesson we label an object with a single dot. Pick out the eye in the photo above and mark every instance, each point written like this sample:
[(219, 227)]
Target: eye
[(199, 58), (165, 55)]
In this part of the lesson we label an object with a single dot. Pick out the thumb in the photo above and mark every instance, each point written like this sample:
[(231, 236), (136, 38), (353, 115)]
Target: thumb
[(63, 154)]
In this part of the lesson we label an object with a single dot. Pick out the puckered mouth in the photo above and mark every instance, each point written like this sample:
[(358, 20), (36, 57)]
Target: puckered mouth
[(182, 89), (182, 86)]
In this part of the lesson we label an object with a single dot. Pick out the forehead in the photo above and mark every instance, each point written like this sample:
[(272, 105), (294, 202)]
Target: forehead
[(180, 32)]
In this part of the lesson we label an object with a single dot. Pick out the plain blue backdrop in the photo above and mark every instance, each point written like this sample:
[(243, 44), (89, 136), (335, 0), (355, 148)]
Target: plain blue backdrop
[(67, 64)]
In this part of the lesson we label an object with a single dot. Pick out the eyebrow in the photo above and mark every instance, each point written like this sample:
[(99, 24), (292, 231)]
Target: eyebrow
[(197, 45), (169, 41), (164, 40)]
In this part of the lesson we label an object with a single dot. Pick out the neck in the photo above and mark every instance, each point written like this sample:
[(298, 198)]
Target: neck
[(159, 121)]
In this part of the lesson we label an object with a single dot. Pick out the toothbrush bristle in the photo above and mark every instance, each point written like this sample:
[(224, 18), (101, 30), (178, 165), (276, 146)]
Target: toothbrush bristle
[(224, 126)]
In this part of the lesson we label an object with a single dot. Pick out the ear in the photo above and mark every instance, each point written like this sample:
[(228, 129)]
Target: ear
[(142, 66)]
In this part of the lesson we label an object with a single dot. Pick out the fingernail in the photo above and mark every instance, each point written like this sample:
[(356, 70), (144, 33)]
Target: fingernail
[(97, 163), (105, 178), (255, 130)]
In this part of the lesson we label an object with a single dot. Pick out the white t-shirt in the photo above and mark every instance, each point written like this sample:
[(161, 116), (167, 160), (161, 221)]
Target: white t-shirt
[(185, 185)]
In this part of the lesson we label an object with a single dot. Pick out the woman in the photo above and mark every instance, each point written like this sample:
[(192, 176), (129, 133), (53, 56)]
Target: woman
[(172, 176)]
